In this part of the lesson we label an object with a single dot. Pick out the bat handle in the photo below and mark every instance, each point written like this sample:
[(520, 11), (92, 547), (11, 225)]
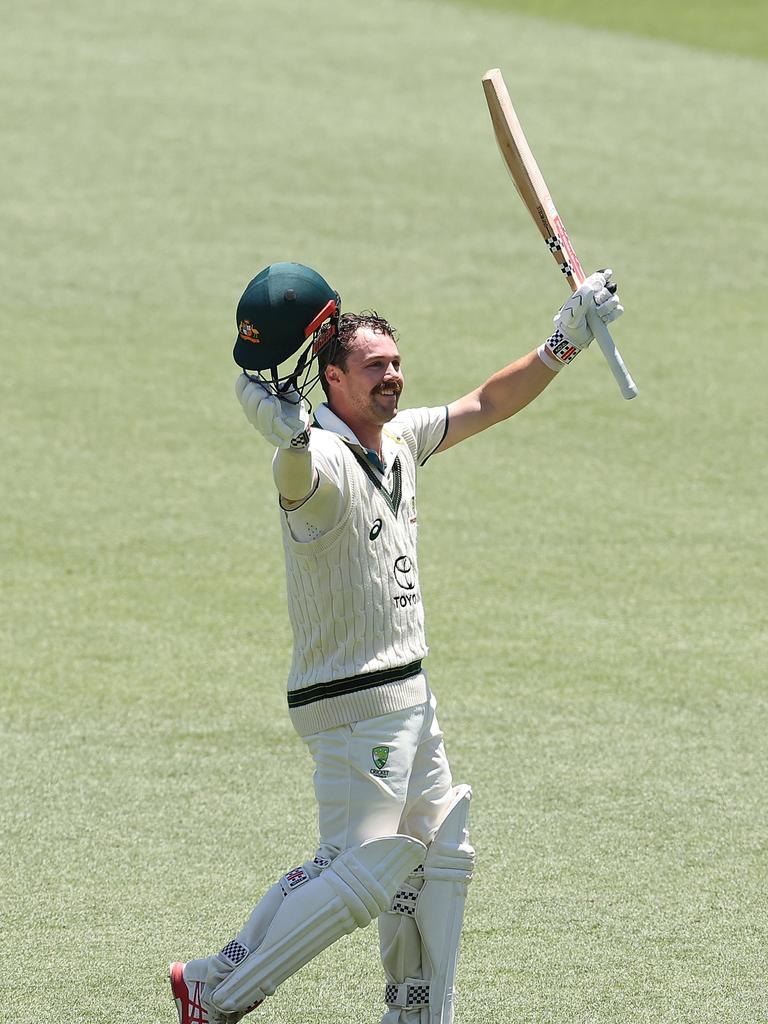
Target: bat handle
[(612, 355)]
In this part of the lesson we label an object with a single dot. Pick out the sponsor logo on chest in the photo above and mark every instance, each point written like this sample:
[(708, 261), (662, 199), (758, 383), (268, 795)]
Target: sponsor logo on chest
[(405, 577)]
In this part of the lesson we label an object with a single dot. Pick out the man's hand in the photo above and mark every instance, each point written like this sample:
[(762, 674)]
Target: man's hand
[(596, 293), (282, 420), (572, 331)]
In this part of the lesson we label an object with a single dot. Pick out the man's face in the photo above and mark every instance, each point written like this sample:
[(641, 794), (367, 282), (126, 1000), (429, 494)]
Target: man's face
[(370, 384)]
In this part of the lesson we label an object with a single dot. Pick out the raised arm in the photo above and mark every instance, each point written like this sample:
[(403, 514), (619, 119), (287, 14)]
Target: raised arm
[(284, 423), (512, 388), (501, 396)]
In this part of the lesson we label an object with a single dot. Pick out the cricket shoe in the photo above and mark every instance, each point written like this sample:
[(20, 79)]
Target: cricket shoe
[(188, 996)]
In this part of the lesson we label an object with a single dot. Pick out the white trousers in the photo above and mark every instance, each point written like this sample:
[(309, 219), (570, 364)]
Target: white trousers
[(379, 777), (376, 778)]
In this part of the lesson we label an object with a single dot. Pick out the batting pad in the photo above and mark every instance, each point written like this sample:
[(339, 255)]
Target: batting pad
[(440, 907), (357, 887), (419, 937)]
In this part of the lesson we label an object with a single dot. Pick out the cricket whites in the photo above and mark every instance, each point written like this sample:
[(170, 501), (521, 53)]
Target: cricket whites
[(533, 191)]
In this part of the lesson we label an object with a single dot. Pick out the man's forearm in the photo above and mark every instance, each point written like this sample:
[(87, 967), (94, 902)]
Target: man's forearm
[(293, 473), (512, 388), (505, 393)]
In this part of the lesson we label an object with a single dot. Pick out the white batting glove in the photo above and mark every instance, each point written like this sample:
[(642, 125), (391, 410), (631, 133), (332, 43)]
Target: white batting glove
[(572, 331), (283, 420)]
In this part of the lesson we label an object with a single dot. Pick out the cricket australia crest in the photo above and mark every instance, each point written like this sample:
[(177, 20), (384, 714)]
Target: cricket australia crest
[(380, 757), (248, 332)]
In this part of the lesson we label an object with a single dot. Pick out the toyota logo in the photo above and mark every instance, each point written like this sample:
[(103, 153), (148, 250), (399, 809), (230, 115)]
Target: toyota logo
[(404, 573)]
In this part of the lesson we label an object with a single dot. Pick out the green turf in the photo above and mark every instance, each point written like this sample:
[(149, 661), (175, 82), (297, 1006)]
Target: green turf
[(593, 572), (740, 26)]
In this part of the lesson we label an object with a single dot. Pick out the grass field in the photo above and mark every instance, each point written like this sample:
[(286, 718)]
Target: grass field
[(741, 27), (593, 571)]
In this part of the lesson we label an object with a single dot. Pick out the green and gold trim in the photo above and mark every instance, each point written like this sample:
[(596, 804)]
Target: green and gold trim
[(392, 499), (351, 684)]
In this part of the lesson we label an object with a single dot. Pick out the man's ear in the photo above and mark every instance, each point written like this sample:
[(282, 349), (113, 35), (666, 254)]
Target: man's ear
[(332, 373)]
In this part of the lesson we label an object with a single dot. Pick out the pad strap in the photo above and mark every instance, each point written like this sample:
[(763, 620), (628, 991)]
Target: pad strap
[(312, 913), (404, 900), (412, 993), (293, 879)]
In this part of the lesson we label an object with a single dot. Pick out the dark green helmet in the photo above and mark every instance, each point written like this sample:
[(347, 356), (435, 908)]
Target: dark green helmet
[(282, 307)]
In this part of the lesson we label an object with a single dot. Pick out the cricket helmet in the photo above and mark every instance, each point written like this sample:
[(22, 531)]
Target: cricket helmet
[(282, 307)]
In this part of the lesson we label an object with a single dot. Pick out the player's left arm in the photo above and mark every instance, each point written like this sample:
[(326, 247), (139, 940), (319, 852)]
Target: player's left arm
[(515, 386)]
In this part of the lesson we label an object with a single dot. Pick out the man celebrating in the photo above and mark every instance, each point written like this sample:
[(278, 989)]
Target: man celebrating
[(393, 826)]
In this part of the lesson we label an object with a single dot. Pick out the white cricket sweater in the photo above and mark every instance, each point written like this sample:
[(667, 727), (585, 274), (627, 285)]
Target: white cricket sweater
[(354, 597)]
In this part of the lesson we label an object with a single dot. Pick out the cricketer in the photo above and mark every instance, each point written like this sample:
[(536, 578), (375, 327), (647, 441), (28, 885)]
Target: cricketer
[(393, 826)]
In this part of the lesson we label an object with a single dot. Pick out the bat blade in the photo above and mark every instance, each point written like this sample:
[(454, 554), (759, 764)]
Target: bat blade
[(533, 191)]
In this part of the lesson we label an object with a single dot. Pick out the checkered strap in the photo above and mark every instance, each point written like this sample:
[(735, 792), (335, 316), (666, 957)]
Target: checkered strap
[(557, 351), (404, 900), (411, 993), (234, 952)]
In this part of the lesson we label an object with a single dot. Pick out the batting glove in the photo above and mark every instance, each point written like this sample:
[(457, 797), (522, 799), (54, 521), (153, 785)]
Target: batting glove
[(572, 331), (282, 420)]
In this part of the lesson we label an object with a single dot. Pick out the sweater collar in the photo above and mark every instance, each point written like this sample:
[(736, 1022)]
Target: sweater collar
[(326, 419)]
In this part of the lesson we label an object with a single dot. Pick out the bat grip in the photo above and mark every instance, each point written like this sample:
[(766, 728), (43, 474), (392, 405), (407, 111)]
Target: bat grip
[(612, 355)]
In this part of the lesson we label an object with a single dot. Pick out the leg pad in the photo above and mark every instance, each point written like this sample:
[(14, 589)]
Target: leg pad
[(355, 888)]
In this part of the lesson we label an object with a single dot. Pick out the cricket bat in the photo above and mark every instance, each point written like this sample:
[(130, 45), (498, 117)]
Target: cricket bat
[(533, 191)]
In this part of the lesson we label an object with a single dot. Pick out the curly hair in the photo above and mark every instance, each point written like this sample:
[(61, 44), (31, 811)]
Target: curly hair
[(335, 351)]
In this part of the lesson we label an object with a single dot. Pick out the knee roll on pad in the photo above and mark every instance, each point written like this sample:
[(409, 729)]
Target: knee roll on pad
[(356, 887)]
